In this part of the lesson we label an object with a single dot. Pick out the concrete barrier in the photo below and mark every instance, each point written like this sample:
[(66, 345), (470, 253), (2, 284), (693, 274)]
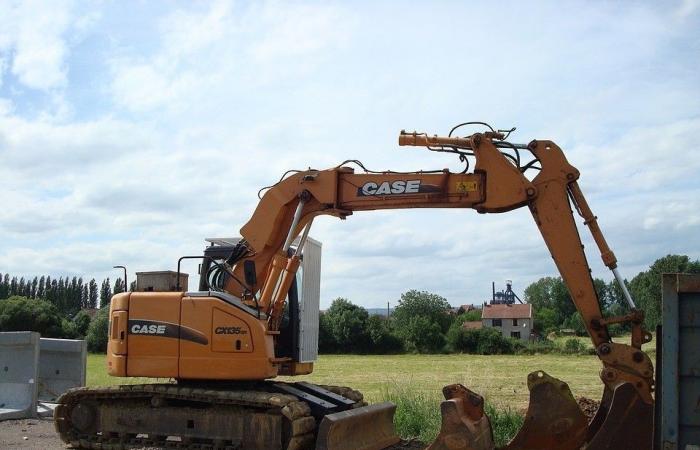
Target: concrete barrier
[(19, 363), (61, 367)]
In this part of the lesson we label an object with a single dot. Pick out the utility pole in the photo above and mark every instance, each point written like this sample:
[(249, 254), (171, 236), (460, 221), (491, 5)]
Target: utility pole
[(387, 310), (126, 286)]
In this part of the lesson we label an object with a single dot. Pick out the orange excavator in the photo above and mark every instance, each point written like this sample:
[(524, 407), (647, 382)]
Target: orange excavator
[(223, 345)]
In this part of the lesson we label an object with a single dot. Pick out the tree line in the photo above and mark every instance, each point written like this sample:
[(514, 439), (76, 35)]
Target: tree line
[(422, 322), (68, 295), (58, 307), (554, 310)]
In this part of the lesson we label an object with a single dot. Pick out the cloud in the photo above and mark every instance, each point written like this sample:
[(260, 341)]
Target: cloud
[(246, 44), (172, 119), (34, 35)]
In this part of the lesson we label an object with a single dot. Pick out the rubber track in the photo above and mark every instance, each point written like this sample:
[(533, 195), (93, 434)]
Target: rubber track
[(296, 412)]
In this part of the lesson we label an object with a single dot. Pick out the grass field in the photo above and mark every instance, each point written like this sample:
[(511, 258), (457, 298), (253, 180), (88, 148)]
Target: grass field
[(501, 379), (414, 383)]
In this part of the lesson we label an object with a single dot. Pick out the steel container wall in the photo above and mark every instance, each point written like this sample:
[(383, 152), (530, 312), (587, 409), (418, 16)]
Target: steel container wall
[(679, 427)]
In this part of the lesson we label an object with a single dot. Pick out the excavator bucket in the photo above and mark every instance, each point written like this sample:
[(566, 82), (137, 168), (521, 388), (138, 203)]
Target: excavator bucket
[(628, 422), (464, 424), (365, 428), (553, 420)]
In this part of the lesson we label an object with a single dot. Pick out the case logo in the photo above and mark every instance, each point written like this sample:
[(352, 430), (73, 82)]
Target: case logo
[(390, 188), (147, 329), (143, 327)]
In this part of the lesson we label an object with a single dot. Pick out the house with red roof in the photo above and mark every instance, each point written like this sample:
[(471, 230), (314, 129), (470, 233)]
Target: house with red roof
[(513, 320)]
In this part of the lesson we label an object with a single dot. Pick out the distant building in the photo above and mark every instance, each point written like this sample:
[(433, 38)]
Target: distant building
[(461, 309), (472, 325), (514, 320)]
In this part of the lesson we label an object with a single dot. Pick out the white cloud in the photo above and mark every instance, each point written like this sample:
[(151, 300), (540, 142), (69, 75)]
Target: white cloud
[(247, 45), (687, 8), (34, 32), (201, 106)]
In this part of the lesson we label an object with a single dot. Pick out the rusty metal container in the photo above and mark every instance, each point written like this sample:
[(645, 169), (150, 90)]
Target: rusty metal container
[(160, 281)]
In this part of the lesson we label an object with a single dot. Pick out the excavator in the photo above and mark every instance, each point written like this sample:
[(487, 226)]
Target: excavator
[(218, 350)]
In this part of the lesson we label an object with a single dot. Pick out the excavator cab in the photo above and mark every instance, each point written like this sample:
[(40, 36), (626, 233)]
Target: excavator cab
[(298, 333)]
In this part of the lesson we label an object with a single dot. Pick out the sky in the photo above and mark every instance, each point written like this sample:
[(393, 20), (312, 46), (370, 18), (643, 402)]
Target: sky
[(131, 131)]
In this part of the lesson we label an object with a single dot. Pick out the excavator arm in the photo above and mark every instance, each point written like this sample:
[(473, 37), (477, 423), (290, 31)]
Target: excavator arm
[(496, 185)]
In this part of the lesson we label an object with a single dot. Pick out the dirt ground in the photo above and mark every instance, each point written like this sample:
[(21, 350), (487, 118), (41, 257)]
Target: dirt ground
[(29, 434), (38, 434)]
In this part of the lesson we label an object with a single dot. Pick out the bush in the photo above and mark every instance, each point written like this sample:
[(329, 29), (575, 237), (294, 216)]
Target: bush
[(573, 346), (347, 324), (421, 335), (542, 347), (23, 314), (81, 322), (420, 319), (482, 341), (98, 331), (326, 342), (418, 415), (382, 340)]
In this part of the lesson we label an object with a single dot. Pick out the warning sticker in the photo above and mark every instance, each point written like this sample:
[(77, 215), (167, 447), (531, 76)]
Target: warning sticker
[(466, 186)]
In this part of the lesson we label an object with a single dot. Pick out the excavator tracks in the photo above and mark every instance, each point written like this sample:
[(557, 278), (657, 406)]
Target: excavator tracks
[(202, 416)]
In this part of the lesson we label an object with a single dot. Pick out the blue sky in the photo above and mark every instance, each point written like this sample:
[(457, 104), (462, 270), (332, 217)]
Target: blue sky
[(130, 131)]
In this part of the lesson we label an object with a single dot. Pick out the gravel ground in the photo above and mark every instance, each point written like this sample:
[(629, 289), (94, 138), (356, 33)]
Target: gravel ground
[(29, 434), (38, 434)]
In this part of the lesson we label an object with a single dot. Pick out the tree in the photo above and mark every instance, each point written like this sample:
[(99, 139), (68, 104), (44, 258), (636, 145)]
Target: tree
[(421, 319), (348, 325), (381, 338), (105, 293), (4, 286), (326, 341), (118, 286), (98, 331), (545, 320), (23, 314), (575, 322), (92, 294), (646, 286), (550, 294), (41, 289), (81, 322), (469, 316), (415, 303)]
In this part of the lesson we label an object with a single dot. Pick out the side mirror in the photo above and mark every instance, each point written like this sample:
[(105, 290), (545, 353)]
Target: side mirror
[(251, 278)]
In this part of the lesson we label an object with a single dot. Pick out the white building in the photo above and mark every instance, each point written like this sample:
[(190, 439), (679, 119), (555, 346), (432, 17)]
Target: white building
[(514, 320)]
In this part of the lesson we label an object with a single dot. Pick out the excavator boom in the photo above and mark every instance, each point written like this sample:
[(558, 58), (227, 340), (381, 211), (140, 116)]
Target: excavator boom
[(496, 185)]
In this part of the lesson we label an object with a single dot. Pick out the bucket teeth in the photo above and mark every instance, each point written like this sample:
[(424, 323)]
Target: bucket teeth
[(464, 424)]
